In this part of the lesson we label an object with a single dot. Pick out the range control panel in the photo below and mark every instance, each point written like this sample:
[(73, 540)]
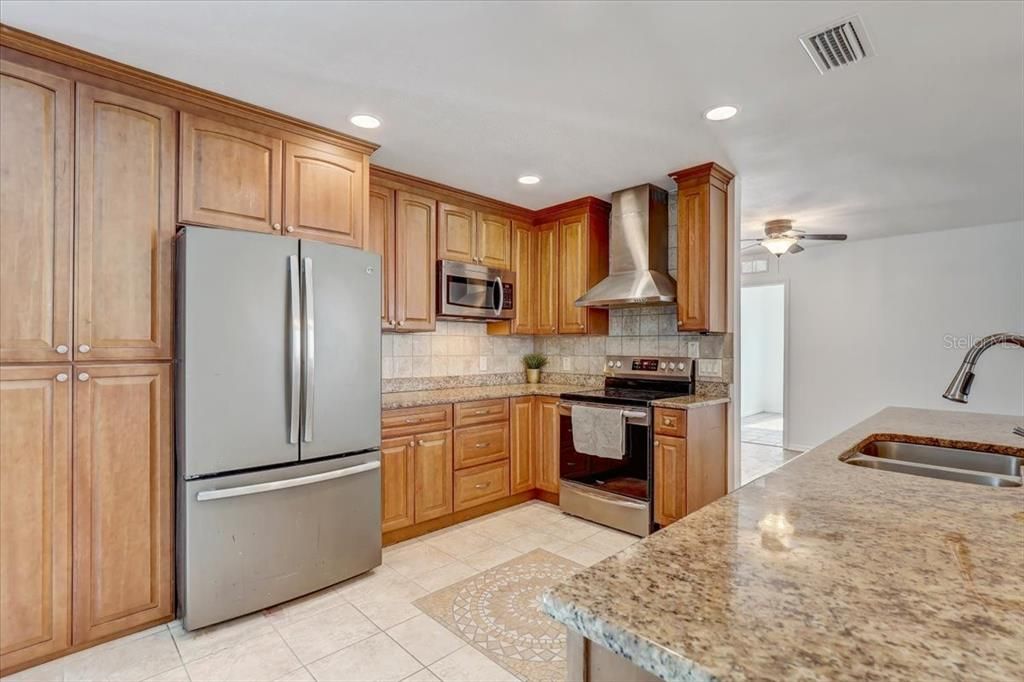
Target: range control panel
[(627, 365)]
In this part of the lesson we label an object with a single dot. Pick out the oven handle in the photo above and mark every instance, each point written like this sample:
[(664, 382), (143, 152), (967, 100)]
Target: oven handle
[(638, 417)]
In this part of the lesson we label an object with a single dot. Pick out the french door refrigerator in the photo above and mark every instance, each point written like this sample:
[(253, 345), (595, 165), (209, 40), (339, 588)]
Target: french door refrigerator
[(278, 419)]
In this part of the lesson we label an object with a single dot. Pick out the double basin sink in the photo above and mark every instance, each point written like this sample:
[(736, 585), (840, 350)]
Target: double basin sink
[(951, 464)]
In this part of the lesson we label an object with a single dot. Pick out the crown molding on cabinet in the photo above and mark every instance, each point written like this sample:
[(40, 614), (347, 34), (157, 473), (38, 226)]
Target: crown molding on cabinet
[(398, 180)]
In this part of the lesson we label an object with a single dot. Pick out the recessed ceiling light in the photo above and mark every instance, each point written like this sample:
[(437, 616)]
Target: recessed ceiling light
[(528, 179), (365, 121), (720, 113)]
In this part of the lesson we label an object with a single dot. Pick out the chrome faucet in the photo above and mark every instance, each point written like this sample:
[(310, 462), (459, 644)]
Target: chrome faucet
[(960, 386)]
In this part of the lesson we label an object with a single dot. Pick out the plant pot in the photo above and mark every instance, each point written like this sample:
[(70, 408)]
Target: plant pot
[(533, 376)]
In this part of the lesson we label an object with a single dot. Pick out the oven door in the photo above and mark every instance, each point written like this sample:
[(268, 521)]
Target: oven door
[(627, 477), (475, 291)]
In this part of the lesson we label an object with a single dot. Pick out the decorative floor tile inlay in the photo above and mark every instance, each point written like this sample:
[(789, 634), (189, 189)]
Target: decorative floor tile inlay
[(498, 612)]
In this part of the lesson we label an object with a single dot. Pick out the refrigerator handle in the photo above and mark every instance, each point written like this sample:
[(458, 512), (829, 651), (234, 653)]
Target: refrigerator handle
[(309, 348), (294, 347)]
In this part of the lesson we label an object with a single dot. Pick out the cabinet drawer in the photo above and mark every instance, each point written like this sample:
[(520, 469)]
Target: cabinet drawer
[(481, 412), (669, 422), (480, 484), (481, 444), (412, 420)]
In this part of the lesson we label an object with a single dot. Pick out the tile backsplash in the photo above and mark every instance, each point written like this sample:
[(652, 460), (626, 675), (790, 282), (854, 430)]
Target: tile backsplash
[(454, 349)]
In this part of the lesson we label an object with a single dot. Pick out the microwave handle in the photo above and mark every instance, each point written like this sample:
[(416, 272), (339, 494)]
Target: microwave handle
[(501, 295)]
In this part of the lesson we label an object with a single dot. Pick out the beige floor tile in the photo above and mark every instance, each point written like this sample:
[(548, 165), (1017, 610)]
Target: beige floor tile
[(574, 530), (445, 576), (298, 609), (128, 659), (376, 659), (52, 671), (583, 554), (178, 674), (536, 539), (385, 614), (325, 632), (300, 675), (211, 639), (500, 529), (391, 549), (461, 543), (426, 639), (258, 659), (422, 676), (392, 588), (469, 665), (417, 560), (609, 539), (489, 558)]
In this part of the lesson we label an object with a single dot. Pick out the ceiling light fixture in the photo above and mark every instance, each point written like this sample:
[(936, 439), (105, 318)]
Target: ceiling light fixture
[(365, 121), (720, 113), (778, 245), (528, 179)]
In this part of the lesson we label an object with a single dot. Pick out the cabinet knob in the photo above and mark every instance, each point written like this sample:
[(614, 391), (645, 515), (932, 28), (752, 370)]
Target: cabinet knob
[(84, 348), (62, 377), (62, 349), (401, 323), (412, 444), (289, 229), (83, 376), (277, 226), (657, 443)]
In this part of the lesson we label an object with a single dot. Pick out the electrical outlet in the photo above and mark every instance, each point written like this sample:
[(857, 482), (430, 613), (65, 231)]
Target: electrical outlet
[(709, 368), (566, 364), (483, 363), (693, 349)]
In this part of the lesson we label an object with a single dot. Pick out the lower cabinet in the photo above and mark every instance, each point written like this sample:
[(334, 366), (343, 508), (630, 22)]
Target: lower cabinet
[(690, 453), (481, 484), (546, 431), (669, 479), (398, 483), (432, 464), (521, 442)]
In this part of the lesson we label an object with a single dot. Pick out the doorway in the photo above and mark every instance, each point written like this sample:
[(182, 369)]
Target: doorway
[(762, 376)]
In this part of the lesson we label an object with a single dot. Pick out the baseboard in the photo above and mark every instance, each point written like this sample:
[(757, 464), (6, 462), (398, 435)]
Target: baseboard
[(400, 534)]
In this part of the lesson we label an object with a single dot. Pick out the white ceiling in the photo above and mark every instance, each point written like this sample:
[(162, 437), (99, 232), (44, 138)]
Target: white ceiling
[(594, 97)]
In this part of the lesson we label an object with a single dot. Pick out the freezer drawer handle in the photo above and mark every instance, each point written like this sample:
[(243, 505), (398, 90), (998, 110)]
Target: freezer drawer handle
[(286, 483)]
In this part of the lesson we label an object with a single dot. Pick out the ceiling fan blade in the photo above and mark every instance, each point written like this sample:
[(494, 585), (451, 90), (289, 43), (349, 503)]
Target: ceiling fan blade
[(752, 239), (749, 246), (796, 248), (824, 237)]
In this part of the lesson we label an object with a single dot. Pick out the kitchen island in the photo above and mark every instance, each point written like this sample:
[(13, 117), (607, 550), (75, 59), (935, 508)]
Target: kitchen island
[(820, 570)]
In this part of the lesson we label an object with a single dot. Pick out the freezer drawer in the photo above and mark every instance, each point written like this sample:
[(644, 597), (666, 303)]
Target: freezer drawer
[(249, 541)]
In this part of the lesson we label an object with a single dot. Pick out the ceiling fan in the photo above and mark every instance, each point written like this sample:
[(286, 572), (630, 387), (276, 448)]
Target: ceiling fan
[(780, 237)]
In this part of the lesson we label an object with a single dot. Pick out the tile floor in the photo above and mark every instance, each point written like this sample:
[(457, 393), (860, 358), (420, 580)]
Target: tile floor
[(366, 628), (761, 448)]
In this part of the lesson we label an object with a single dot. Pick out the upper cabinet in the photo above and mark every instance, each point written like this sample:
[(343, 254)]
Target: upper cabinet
[(703, 282), (380, 238), (35, 214), (545, 280), (415, 257), (124, 227), (473, 237), (582, 261), (243, 176)]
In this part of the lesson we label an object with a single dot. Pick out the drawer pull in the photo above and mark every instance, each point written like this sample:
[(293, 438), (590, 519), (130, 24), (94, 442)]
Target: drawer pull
[(667, 420), (412, 420), (482, 445), (481, 486), (429, 442), (480, 412)]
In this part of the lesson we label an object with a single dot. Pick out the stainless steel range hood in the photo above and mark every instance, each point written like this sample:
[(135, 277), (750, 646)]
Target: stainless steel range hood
[(638, 259)]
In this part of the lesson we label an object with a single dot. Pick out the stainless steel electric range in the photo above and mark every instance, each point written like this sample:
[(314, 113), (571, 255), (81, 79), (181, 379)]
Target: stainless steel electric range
[(619, 492)]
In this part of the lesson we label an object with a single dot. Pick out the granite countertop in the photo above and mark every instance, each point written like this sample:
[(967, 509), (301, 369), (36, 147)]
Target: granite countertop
[(390, 401), (689, 402), (823, 570)]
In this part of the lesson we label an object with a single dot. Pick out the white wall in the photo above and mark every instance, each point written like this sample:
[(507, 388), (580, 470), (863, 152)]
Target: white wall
[(762, 314), (872, 323)]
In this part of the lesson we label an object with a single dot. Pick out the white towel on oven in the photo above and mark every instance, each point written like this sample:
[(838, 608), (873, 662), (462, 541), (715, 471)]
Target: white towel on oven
[(599, 431)]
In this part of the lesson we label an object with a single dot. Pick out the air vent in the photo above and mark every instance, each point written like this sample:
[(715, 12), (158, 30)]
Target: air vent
[(841, 44)]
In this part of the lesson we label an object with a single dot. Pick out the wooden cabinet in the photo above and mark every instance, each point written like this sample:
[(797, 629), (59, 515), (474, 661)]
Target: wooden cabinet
[(481, 444), (411, 420), (546, 449), (433, 475), (124, 227), (480, 484), (481, 412), (521, 445), (669, 422), (572, 274), (669, 479), (323, 193), (230, 175), (397, 482), (415, 258), (36, 195), (35, 512), (703, 253), (473, 237), (123, 478), (524, 263), (380, 238), (545, 283)]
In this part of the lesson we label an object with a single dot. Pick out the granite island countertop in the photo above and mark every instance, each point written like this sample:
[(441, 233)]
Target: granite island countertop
[(823, 570)]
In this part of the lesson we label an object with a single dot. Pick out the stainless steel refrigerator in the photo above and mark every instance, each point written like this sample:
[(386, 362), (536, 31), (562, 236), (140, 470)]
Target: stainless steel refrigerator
[(278, 419)]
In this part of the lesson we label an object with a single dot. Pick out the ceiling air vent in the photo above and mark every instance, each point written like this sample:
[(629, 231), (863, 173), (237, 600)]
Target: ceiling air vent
[(841, 44)]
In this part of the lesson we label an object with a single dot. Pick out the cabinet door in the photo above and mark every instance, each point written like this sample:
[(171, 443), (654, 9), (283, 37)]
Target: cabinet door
[(546, 450), (323, 194), (123, 482), (124, 234), (521, 424), (572, 274), (669, 479), (415, 262), (494, 241), (433, 473), (36, 197), (545, 283), (380, 237), (456, 230), (35, 513), (230, 176), (524, 256), (397, 483), (692, 301)]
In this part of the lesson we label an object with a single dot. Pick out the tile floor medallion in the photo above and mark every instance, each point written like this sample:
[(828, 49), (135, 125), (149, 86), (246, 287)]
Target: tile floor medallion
[(498, 612)]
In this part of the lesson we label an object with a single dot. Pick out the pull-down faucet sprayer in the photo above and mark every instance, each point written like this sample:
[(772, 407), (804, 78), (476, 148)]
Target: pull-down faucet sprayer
[(960, 386)]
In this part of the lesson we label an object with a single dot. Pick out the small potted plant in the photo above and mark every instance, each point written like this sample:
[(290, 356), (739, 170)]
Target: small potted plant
[(534, 363)]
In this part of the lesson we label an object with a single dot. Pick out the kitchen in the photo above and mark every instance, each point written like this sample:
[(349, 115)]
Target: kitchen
[(273, 392)]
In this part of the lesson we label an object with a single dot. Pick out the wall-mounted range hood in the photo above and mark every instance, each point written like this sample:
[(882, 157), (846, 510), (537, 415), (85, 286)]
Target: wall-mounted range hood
[(638, 252)]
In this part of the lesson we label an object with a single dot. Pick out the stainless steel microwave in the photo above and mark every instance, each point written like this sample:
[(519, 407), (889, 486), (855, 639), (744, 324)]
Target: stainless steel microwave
[(469, 291)]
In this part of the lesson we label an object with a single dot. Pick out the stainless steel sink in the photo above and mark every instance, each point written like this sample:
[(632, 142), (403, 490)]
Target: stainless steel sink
[(951, 464)]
